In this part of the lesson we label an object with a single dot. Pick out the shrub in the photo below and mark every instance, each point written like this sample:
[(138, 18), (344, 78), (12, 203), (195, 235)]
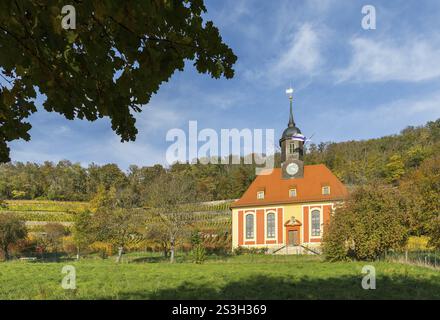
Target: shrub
[(69, 246), (196, 239), (371, 222), (243, 250), (218, 244), (418, 243), (12, 230), (23, 248), (16, 194), (104, 249), (54, 233), (198, 254)]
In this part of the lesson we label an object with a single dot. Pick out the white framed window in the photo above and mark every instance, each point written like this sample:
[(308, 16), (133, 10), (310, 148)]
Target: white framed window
[(292, 193), (250, 226), (260, 195), (292, 148), (270, 225), (326, 190), (316, 223)]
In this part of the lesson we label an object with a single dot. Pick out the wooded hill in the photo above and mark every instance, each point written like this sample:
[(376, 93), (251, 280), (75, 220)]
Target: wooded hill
[(386, 159)]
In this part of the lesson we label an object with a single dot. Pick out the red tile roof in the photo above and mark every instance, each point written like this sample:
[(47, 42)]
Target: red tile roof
[(308, 188)]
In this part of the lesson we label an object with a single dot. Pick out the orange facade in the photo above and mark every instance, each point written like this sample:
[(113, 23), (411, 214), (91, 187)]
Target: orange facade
[(283, 225), (260, 237)]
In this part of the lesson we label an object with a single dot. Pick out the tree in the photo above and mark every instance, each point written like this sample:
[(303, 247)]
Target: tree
[(370, 223), (421, 188), (170, 197), (415, 156), (11, 230), (115, 220), (157, 232), (54, 234), (120, 227), (145, 175), (104, 199), (108, 175), (394, 169), (82, 231), (434, 233), (117, 56)]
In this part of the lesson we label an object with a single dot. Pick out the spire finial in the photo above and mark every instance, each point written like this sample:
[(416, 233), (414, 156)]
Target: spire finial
[(289, 92)]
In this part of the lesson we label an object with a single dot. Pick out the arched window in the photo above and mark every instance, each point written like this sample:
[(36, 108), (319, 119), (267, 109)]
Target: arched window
[(249, 226), (270, 225), (316, 223)]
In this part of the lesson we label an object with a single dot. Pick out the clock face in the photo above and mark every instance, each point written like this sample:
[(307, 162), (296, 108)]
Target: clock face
[(292, 168)]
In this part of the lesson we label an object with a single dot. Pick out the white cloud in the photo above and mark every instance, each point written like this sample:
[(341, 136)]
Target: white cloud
[(233, 12), (62, 130), (322, 6), (300, 56), (236, 15), (385, 60), (303, 53), (154, 116)]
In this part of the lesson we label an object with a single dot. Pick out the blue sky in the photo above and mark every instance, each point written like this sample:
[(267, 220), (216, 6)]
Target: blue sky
[(350, 83)]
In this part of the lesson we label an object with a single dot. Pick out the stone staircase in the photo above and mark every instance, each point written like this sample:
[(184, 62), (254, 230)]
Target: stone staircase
[(294, 250), (290, 250)]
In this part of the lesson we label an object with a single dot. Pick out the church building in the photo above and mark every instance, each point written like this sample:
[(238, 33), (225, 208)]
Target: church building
[(287, 210)]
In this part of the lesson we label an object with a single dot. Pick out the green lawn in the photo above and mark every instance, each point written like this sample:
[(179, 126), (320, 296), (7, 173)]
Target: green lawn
[(242, 277)]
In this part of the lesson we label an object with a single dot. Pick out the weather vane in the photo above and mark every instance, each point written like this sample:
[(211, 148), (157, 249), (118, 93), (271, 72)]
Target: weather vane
[(289, 92)]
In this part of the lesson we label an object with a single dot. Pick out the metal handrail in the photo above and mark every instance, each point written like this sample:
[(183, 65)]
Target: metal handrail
[(308, 249)]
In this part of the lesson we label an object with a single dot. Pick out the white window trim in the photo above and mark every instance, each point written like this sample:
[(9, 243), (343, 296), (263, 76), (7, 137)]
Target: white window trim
[(321, 218), (255, 226), (329, 191), (267, 211), (296, 193), (260, 192), (253, 211), (289, 147), (308, 206)]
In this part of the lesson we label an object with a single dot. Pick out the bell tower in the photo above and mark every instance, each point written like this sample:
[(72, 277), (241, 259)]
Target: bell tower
[(292, 147)]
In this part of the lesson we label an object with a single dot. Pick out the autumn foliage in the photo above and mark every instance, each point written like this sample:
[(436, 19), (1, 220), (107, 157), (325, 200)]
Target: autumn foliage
[(372, 222)]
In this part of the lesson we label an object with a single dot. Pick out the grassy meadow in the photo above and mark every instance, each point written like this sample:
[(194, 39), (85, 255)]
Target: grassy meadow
[(150, 276), (147, 276)]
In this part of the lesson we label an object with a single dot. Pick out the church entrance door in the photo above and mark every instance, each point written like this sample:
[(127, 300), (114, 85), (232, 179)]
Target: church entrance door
[(293, 237)]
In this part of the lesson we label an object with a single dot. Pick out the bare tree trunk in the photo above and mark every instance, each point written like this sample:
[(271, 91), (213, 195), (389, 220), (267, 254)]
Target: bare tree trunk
[(120, 252), (172, 247), (77, 253)]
